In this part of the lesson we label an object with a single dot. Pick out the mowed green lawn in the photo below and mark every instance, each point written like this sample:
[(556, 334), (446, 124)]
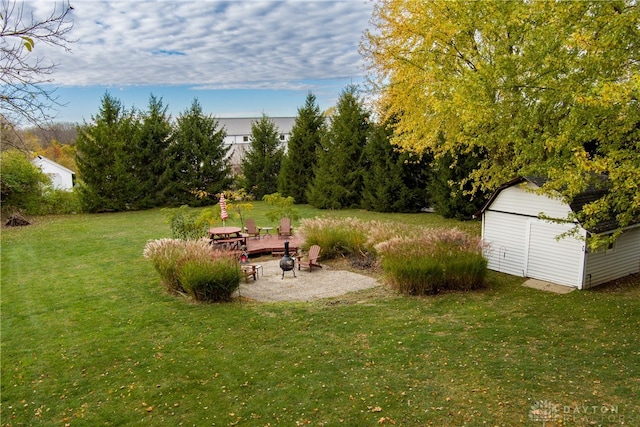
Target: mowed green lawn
[(90, 338)]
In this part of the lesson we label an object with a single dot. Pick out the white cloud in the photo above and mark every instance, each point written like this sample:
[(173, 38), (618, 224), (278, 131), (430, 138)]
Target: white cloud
[(211, 44)]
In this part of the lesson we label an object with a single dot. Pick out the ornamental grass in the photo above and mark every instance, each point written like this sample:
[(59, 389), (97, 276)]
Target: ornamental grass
[(191, 267), (433, 261), (347, 236), (336, 237), (416, 261)]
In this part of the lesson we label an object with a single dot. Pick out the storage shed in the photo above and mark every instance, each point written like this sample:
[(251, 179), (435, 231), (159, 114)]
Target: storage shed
[(521, 243), (61, 177)]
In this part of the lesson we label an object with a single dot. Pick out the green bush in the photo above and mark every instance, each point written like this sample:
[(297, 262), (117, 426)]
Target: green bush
[(434, 261), (465, 271), (165, 254), (192, 267), (337, 237), (414, 275), (21, 183), (186, 224), (416, 261), (210, 280), (58, 202)]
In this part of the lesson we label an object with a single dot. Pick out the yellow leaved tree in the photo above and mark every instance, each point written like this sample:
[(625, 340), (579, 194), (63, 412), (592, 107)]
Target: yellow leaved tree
[(549, 89)]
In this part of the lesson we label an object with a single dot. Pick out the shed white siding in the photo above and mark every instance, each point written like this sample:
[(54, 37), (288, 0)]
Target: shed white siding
[(527, 247), (521, 243), (505, 234), (621, 260), (507, 229), (518, 200), (552, 259)]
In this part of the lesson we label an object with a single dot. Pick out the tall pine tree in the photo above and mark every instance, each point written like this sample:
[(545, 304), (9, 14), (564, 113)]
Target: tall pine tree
[(296, 174), (394, 181), (338, 180), (152, 140), (104, 150), (262, 161), (197, 160), (450, 198)]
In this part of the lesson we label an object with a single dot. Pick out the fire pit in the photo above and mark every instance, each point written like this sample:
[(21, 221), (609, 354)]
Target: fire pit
[(287, 263)]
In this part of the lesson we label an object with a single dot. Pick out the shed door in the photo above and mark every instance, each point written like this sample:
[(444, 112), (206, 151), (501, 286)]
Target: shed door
[(552, 260)]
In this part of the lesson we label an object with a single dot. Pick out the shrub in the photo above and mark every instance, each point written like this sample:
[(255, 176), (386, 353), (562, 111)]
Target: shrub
[(165, 254), (192, 267), (21, 183), (336, 237), (414, 275), (280, 207), (210, 280), (465, 271), (416, 261), (56, 201), (185, 224), (433, 261)]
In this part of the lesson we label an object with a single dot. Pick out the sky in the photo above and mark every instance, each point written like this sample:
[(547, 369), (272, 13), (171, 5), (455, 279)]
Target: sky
[(238, 58)]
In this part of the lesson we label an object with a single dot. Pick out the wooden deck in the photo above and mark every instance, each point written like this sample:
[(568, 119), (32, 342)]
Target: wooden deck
[(272, 245)]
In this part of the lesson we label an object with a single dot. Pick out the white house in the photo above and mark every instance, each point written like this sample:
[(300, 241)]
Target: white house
[(61, 177), (523, 244), (238, 131)]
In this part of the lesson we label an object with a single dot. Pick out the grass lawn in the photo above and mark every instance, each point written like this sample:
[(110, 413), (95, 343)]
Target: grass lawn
[(90, 338)]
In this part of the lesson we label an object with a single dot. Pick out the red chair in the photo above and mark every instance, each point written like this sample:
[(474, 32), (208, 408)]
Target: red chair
[(311, 259), (285, 228), (250, 229)]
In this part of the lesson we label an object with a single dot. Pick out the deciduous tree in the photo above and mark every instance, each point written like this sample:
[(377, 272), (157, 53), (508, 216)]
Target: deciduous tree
[(21, 182), (544, 88)]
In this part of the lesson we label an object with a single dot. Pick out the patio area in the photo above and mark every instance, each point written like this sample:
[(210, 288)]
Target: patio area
[(326, 282)]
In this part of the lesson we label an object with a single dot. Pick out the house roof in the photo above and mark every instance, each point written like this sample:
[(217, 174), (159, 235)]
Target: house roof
[(591, 194), (52, 163)]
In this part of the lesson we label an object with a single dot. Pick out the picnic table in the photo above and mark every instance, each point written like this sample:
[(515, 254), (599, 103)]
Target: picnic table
[(229, 237)]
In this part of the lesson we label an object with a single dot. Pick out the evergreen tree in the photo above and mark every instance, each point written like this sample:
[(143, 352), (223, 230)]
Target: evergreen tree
[(197, 159), (152, 141), (263, 159), (338, 180), (450, 198), (296, 174), (394, 181), (104, 159)]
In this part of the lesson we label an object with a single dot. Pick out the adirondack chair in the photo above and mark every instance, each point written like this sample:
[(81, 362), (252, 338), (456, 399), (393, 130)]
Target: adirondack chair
[(250, 229), (311, 260), (285, 228)]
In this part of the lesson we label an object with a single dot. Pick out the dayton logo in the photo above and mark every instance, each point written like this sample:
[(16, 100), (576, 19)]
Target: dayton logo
[(544, 411)]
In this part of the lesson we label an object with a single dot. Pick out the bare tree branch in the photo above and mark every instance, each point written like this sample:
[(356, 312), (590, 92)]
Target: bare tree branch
[(23, 73)]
